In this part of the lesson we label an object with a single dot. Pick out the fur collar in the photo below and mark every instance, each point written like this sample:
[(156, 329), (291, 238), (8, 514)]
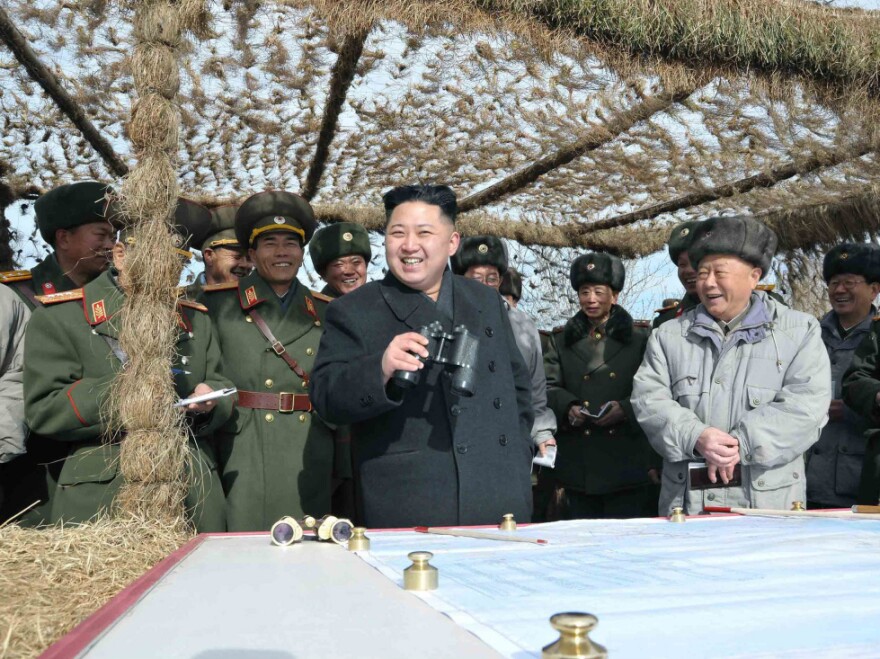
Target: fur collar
[(619, 326)]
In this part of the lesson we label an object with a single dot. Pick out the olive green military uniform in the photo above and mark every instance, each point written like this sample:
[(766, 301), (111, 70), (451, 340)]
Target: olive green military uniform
[(71, 357), (675, 310), (861, 383), (219, 232), (25, 479), (273, 462), (592, 367)]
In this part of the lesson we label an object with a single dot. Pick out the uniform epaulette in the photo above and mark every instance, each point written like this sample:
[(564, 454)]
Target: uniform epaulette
[(192, 305), (15, 275), (644, 324), (66, 296), (662, 309), (225, 286), (320, 296), (768, 288)]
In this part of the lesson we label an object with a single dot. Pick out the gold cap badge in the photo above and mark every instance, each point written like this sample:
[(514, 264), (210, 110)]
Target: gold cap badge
[(591, 266), (685, 231), (482, 249), (347, 236), (278, 219)]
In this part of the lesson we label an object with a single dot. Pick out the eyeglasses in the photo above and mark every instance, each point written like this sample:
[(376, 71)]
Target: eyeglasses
[(491, 280), (848, 284)]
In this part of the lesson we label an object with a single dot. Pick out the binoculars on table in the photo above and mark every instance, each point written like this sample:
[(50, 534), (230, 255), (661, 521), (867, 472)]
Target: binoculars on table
[(458, 352), (288, 531)]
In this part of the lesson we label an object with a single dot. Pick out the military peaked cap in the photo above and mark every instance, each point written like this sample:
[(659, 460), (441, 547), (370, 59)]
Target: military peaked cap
[(853, 259), (191, 223), (72, 205), (680, 239), (337, 240), (221, 229), (480, 250), (272, 211), (511, 284), (598, 268), (740, 236)]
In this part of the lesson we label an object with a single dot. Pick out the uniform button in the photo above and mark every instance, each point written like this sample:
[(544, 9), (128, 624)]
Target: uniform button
[(597, 336), (795, 475), (184, 360), (754, 401), (611, 431), (492, 366), (490, 331), (270, 417), (587, 432), (248, 319), (310, 352), (190, 334), (455, 409), (586, 377), (317, 323), (302, 418), (461, 448), (586, 403), (503, 440), (680, 476), (305, 385), (269, 383), (711, 496), (717, 380), (760, 482), (748, 456), (612, 375), (497, 403)]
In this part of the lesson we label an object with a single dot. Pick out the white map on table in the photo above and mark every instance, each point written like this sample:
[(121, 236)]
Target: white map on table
[(714, 587)]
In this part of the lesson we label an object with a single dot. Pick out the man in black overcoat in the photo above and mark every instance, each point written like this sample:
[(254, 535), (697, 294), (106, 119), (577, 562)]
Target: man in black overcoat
[(424, 455)]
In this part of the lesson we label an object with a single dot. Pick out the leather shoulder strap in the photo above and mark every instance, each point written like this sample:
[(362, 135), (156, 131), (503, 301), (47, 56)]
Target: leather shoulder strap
[(277, 346)]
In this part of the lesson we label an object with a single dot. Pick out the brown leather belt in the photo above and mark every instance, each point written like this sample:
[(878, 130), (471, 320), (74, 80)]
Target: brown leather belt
[(285, 402)]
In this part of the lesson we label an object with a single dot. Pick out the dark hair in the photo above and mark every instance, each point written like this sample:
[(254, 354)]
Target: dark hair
[(434, 195)]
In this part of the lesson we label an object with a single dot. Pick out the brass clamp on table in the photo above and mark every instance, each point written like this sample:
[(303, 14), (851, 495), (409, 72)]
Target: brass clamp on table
[(574, 640), (421, 575)]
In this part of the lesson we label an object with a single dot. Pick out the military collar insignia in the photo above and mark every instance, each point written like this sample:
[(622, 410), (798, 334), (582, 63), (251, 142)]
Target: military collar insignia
[(347, 237), (310, 309), (482, 249), (99, 312), (49, 288), (250, 295)]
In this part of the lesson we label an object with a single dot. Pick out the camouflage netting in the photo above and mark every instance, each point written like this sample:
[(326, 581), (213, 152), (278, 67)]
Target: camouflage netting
[(561, 122)]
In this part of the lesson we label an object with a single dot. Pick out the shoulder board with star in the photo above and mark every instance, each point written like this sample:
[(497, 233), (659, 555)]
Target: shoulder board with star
[(669, 308), (192, 305), (765, 287), (225, 286), (66, 296), (15, 275), (320, 296)]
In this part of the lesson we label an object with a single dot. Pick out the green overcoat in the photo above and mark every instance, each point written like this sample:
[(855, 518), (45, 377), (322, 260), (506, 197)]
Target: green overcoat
[(272, 463), (591, 367), (69, 366), (25, 479)]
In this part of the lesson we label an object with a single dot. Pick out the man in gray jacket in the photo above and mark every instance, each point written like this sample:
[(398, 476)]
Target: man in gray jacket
[(733, 392), (14, 315), (484, 259), (834, 463)]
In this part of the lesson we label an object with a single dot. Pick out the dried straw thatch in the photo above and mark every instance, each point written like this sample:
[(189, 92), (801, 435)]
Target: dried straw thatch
[(52, 579)]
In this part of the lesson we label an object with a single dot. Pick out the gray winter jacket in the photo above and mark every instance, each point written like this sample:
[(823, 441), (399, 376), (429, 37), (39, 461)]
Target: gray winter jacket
[(525, 332), (768, 384), (834, 463), (14, 316)]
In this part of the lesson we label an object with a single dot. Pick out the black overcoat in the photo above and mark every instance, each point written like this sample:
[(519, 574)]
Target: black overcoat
[(427, 456)]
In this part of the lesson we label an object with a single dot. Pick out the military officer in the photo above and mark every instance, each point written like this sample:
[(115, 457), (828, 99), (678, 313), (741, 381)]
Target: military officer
[(484, 259), (834, 463), (603, 459), (276, 455), (225, 260), (72, 355), (678, 244), (340, 253), (75, 221), (511, 287)]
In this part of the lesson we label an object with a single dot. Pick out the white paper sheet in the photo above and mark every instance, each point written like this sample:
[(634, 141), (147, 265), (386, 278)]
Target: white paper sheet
[(719, 587)]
